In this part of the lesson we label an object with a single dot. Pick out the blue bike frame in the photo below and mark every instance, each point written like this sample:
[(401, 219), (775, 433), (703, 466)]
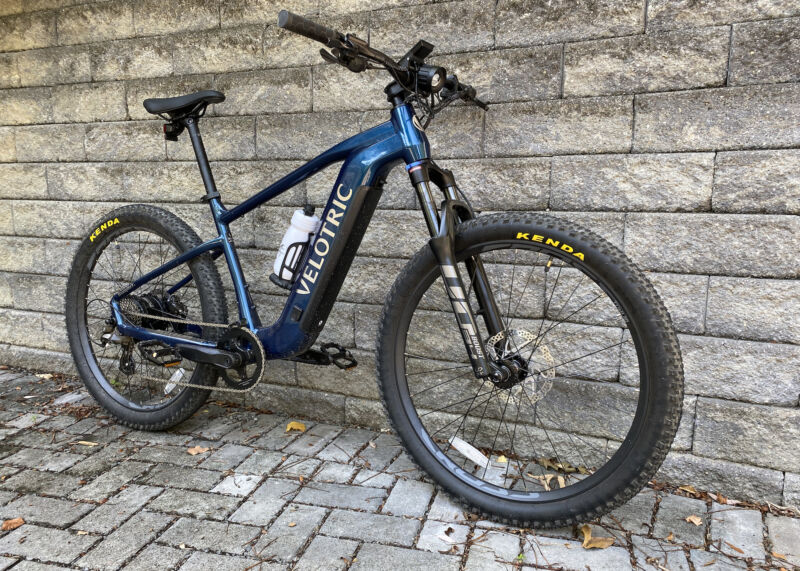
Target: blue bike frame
[(367, 159)]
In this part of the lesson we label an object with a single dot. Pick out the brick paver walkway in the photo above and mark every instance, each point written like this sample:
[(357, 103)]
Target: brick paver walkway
[(98, 496)]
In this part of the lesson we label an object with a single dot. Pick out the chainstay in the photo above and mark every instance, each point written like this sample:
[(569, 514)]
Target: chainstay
[(196, 385)]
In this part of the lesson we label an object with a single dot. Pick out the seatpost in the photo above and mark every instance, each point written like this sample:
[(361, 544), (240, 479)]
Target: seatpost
[(202, 159)]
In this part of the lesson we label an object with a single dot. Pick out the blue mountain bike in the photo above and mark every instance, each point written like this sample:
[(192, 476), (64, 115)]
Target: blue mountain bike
[(525, 363)]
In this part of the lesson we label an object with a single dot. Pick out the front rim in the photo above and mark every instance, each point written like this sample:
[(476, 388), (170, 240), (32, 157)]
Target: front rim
[(472, 435)]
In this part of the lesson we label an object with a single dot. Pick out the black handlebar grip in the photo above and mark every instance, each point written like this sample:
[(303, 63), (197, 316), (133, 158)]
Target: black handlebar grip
[(307, 28)]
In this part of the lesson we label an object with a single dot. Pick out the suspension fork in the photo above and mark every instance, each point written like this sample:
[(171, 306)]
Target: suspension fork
[(442, 242)]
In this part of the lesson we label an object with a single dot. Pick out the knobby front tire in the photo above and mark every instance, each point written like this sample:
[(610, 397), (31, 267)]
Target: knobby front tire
[(597, 400)]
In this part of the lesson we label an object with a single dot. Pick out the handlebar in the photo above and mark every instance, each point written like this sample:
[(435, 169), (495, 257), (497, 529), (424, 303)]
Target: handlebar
[(354, 53), (312, 30)]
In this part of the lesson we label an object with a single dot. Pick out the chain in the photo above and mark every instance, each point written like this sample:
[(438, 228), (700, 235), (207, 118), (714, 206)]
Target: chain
[(196, 385)]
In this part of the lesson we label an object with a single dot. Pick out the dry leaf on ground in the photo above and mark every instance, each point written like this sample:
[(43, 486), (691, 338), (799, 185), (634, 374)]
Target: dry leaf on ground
[(10, 524), (502, 459), (45, 376), (695, 519), (292, 523), (732, 546), (777, 555), (671, 536), (590, 542), (294, 425), (688, 489), (87, 443), (195, 450)]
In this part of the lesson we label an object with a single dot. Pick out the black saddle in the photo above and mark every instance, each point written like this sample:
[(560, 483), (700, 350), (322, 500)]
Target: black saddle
[(176, 106)]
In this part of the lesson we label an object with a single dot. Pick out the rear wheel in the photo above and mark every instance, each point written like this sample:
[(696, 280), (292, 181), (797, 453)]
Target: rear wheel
[(594, 399), (138, 381)]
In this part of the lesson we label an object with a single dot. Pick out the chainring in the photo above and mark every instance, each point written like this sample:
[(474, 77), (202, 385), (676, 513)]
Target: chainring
[(246, 343)]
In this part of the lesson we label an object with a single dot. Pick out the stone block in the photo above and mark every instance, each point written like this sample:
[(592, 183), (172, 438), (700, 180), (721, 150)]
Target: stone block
[(156, 556), (500, 183), (157, 18), (238, 12), (342, 496), (791, 490), (335, 89), (652, 555), (128, 141), (215, 536), (265, 502), (52, 66), (8, 150), (663, 14), (50, 143), (327, 553), (764, 244), (46, 544), (651, 62), (303, 135), (267, 91), (37, 292), (435, 23), (239, 180), (738, 481), (685, 298), (718, 119), (408, 498), (732, 369), (757, 181), (23, 181), (443, 537), (223, 137), (765, 52), (218, 50), (313, 404), (783, 533), (371, 527), (131, 59), (26, 105), (82, 103), (570, 555), (49, 511), (739, 532), (376, 556), (95, 22), (283, 542), (9, 76), (27, 31), (669, 182), (746, 433), (671, 519), (201, 561), (525, 22), (753, 309), (195, 504), (591, 125), (509, 74), (131, 536)]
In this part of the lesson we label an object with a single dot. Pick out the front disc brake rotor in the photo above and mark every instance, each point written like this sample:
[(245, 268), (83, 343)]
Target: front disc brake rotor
[(538, 364)]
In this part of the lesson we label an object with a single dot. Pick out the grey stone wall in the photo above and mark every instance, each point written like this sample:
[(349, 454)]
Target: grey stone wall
[(671, 127)]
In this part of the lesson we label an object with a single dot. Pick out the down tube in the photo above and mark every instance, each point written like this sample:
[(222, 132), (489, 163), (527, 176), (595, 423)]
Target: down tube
[(344, 221)]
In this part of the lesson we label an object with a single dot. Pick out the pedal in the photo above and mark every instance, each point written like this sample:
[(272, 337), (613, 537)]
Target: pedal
[(163, 357), (327, 354), (339, 356)]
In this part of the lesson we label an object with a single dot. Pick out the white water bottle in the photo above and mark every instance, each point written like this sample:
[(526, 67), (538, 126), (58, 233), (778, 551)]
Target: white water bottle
[(303, 227)]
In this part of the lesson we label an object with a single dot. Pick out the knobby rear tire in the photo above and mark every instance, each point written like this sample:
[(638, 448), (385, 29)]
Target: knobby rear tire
[(212, 300), (660, 415)]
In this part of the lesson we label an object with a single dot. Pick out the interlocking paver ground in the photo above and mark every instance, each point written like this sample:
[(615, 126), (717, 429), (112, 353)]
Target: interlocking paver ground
[(331, 498)]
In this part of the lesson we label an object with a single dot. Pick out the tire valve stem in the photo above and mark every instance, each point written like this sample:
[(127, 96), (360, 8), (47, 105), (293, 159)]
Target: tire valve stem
[(549, 263)]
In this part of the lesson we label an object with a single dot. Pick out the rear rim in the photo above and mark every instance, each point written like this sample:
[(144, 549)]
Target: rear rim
[(119, 364), (570, 416)]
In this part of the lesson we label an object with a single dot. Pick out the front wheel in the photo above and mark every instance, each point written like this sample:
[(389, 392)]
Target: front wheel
[(595, 397)]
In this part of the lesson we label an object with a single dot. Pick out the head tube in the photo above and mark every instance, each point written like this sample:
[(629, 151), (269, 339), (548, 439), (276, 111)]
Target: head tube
[(414, 139)]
